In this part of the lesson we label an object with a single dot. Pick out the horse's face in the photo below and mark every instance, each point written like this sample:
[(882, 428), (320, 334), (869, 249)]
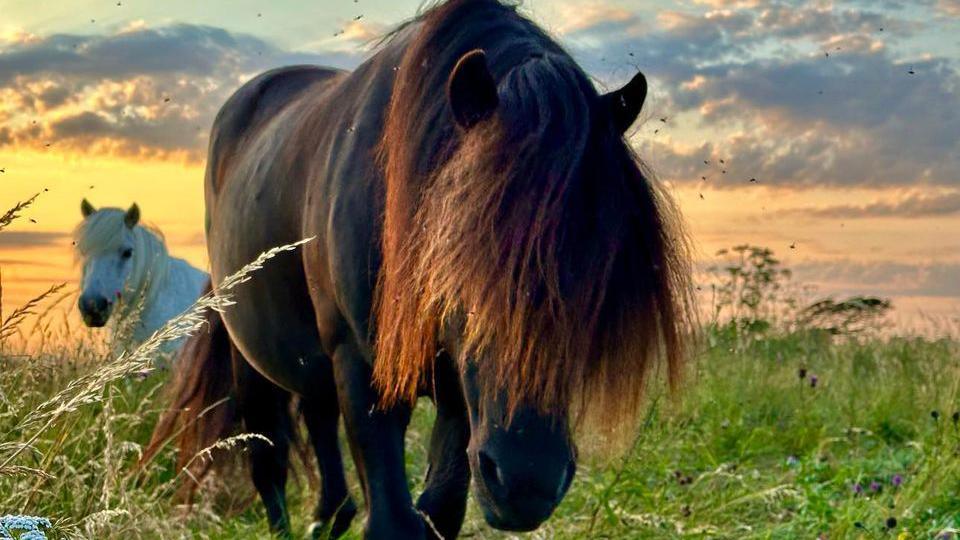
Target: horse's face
[(523, 467), (105, 273), (523, 460)]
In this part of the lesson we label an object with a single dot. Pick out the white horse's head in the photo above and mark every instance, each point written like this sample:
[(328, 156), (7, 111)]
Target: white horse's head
[(117, 254)]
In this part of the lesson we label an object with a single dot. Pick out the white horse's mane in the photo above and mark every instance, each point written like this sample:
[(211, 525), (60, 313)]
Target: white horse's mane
[(103, 230)]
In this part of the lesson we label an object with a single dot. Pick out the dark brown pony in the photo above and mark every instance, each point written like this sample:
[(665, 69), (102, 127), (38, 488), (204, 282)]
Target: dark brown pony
[(484, 236)]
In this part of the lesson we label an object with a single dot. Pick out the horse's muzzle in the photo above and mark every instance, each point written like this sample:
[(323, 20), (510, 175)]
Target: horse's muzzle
[(94, 309), (519, 502)]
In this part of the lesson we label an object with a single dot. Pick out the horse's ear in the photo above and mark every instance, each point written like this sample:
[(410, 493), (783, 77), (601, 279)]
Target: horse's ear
[(86, 208), (471, 90), (625, 104), (132, 216)]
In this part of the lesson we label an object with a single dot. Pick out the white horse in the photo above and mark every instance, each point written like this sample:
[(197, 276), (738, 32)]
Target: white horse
[(127, 269)]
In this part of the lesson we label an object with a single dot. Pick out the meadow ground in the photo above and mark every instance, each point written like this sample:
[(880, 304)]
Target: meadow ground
[(781, 430), (784, 435)]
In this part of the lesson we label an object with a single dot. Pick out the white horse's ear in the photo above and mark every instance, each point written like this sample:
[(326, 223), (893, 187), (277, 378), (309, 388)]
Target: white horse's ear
[(86, 208), (132, 216)]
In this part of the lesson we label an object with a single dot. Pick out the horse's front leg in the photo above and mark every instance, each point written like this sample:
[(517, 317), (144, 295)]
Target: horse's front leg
[(335, 509), (444, 498), (376, 442)]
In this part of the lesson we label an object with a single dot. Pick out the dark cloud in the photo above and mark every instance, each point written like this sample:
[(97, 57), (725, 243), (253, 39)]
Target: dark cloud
[(915, 206), (54, 96), (21, 239), (139, 92), (180, 49)]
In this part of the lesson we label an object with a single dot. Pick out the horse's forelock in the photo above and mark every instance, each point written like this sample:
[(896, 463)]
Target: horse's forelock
[(99, 232), (541, 228)]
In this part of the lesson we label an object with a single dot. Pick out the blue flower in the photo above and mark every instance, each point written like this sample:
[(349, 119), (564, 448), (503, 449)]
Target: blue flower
[(29, 525)]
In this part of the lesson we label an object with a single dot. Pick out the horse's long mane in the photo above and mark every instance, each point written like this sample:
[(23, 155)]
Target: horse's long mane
[(536, 234), (102, 232)]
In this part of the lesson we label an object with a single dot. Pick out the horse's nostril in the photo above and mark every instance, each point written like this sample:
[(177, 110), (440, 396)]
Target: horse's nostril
[(492, 476)]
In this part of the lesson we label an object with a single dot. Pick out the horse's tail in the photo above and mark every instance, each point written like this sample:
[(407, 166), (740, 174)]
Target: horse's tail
[(204, 409)]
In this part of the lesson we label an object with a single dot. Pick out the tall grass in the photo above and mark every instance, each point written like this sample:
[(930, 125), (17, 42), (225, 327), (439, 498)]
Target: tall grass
[(780, 432)]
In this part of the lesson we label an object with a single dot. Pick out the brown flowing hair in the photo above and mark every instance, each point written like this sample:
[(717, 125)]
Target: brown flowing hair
[(536, 234)]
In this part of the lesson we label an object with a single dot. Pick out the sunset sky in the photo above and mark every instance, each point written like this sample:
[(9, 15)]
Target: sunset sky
[(846, 112)]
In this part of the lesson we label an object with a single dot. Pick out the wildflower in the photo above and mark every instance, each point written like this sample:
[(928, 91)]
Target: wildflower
[(813, 381), (802, 373), (875, 487), (897, 480), (935, 414), (891, 522), (792, 461), (857, 489), (30, 525)]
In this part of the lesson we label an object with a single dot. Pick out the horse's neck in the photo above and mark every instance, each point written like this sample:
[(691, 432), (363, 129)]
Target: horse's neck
[(175, 291)]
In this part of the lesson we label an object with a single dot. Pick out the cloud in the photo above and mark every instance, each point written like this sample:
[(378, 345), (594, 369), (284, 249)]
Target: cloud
[(950, 7), (913, 206), (751, 75), (21, 239), (138, 92), (881, 277), (27, 262), (582, 16), (794, 95)]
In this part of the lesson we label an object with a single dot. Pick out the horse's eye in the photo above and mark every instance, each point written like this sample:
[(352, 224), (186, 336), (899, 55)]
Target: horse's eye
[(126, 253)]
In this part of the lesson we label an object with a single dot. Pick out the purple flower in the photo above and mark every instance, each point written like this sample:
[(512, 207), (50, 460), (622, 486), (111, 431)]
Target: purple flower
[(897, 480), (857, 489), (813, 381), (875, 486)]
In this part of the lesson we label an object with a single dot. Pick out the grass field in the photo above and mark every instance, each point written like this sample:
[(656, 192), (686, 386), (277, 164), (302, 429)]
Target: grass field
[(779, 432)]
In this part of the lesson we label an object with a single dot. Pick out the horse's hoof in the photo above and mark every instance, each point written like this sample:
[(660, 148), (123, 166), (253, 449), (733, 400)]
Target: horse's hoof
[(337, 525)]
